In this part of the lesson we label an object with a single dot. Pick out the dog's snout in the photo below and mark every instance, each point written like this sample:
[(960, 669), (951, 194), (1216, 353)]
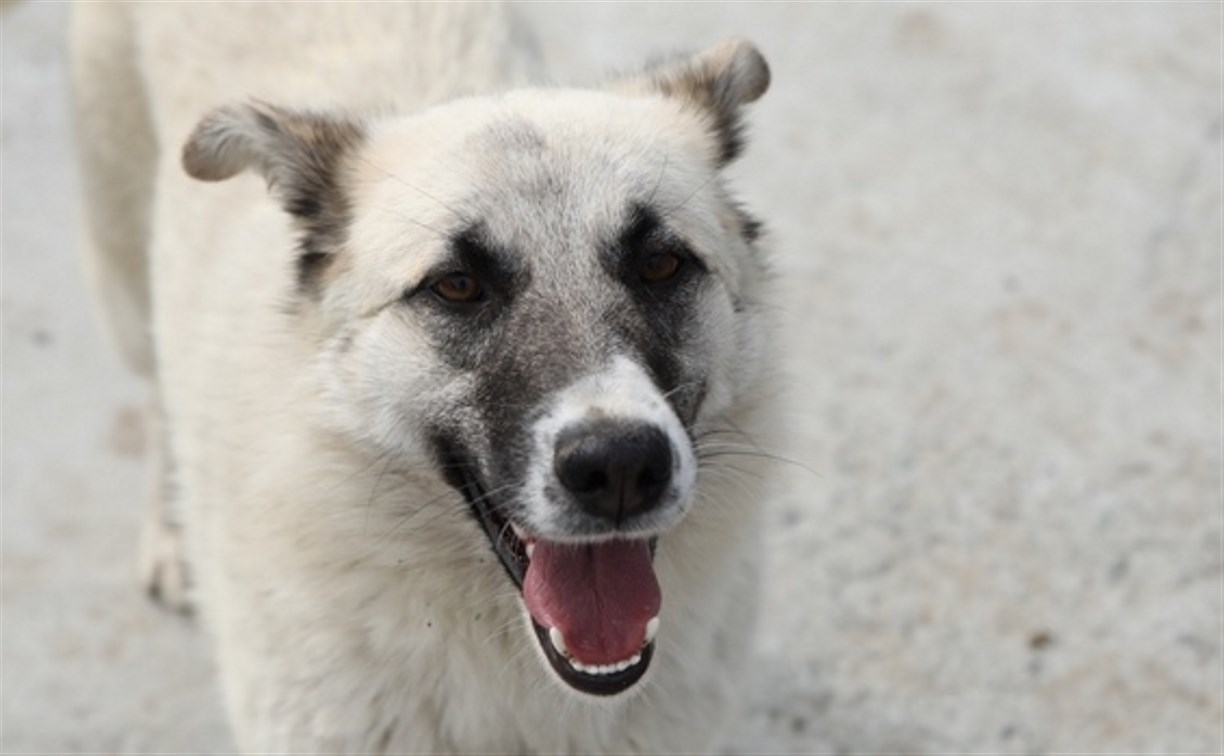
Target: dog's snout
[(614, 470)]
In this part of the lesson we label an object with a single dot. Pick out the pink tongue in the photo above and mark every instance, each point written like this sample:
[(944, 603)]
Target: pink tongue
[(600, 596)]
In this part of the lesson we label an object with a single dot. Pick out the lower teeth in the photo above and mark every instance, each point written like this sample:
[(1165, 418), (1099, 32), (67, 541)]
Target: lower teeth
[(558, 642), (605, 669)]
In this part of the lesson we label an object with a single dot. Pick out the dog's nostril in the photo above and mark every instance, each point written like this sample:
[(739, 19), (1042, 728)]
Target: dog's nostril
[(653, 474), (614, 469), (594, 481)]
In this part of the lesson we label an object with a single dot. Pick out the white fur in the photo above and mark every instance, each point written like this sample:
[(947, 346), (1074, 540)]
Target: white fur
[(356, 610)]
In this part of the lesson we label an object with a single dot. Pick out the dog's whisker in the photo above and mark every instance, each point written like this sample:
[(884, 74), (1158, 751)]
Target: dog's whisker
[(440, 234), (743, 471), (374, 492), (494, 492), (357, 473), (659, 180), (526, 648), (721, 476), (673, 210), (682, 387), (404, 182), (501, 629), (767, 456), (426, 507)]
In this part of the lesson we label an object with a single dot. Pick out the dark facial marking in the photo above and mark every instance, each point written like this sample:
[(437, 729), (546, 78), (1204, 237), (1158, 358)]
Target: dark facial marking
[(482, 258), (467, 294), (750, 226), (520, 346), (660, 318), (642, 236), (311, 264), (312, 192), (459, 469)]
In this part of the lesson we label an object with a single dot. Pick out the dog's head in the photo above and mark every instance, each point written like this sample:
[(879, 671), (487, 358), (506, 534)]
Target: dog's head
[(548, 294)]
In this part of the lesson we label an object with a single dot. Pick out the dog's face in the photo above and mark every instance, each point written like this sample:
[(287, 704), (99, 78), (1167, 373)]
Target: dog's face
[(547, 295)]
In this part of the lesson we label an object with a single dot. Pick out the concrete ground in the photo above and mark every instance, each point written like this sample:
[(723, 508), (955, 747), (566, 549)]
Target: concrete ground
[(998, 233)]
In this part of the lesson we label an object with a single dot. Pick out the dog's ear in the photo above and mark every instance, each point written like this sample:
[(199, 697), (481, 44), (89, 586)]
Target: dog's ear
[(298, 153), (717, 83)]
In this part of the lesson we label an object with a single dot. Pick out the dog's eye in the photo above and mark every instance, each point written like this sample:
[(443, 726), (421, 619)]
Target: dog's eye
[(458, 288), (660, 266)]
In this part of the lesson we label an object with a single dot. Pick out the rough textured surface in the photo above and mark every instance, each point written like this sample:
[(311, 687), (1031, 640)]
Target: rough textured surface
[(999, 232)]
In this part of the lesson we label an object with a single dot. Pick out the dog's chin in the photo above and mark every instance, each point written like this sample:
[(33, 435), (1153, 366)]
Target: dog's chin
[(597, 661)]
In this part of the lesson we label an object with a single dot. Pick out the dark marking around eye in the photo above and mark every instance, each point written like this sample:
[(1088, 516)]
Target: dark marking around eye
[(478, 256), (660, 267), (643, 245), (643, 223), (478, 280)]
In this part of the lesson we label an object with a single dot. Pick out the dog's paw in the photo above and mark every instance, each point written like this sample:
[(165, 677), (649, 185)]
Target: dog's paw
[(163, 567)]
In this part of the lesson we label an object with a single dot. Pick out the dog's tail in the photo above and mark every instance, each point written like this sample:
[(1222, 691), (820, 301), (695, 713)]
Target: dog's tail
[(118, 153)]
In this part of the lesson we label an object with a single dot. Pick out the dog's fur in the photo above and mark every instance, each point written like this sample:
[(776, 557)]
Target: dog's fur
[(313, 384)]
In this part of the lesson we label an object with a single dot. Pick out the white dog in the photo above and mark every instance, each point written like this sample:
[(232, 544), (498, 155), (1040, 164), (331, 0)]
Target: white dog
[(445, 388)]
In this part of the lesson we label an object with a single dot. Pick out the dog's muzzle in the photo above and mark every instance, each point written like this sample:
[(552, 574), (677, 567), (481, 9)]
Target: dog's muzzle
[(608, 468), (614, 470)]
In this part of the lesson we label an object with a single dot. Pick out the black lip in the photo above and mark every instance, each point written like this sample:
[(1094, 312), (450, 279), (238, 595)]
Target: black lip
[(595, 685), (513, 557), (509, 549)]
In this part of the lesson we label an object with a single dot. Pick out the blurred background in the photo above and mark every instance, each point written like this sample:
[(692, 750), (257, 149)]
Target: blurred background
[(997, 234)]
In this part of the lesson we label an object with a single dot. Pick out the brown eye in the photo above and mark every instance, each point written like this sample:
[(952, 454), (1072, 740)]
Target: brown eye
[(458, 288), (659, 267)]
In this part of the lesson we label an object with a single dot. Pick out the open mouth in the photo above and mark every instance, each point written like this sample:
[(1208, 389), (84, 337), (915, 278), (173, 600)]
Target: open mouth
[(594, 607)]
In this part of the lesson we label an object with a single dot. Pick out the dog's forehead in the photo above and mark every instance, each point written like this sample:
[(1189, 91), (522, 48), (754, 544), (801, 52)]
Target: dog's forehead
[(541, 172)]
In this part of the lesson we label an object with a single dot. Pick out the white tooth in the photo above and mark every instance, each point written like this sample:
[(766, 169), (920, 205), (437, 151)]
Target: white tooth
[(558, 640), (606, 669), (652, 628), (530, 549)]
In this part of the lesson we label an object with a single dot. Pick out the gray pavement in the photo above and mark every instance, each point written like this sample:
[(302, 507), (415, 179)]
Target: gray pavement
[(998, 239)]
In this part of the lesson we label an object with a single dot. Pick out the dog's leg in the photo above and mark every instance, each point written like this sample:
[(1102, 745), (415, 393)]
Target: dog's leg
[(163, 564), (118, 157)]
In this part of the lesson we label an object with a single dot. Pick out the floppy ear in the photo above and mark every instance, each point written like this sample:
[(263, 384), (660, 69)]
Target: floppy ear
[(717, 83), (298, 153)]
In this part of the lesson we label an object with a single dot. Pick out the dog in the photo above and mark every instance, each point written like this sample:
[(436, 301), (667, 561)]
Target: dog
[(455, 380)]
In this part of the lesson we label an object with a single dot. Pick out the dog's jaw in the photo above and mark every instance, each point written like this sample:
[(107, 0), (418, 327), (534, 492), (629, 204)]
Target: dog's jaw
[(515, 548)]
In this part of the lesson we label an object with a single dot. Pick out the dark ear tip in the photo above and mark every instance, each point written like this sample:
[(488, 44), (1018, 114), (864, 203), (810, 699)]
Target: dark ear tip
[(746, 65), (216, 149)]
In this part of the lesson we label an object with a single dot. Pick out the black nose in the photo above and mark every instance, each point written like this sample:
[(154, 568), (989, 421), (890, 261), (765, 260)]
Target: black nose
[(614, 470)]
